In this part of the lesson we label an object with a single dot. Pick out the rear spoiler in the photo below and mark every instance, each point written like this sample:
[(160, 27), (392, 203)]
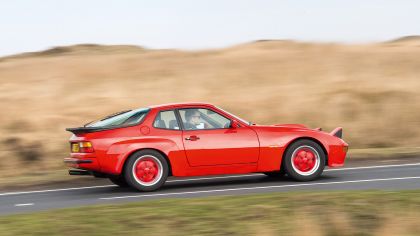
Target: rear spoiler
[(81, 130), (84, 129), (337, 132)]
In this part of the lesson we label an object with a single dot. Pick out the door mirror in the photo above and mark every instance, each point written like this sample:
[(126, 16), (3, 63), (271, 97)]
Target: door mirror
[(234, 124)]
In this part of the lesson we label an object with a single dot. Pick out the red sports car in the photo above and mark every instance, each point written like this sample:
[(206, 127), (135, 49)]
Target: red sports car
[(142, 147)]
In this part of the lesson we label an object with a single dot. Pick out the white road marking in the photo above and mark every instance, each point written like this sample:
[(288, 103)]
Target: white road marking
[(56, 190), (196, 179), (259, 174), (24, 204), (215, 177), (112, 185), (255, 188)]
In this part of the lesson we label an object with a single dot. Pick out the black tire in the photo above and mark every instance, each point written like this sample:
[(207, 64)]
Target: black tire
[(276, 174), (119, 180), (134, 182), (307, 145)]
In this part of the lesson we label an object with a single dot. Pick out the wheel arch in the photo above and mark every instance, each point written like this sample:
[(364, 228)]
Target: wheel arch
[(305, 138)]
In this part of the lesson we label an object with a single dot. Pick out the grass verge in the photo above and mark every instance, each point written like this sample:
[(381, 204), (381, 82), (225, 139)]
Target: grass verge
[(298, 213), (383, 153)]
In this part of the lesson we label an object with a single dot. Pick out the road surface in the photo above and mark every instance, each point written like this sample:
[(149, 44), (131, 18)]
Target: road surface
[(386, 176)]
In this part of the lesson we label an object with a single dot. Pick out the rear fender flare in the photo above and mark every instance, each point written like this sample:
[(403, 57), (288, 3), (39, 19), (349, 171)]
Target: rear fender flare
[(163, 146)]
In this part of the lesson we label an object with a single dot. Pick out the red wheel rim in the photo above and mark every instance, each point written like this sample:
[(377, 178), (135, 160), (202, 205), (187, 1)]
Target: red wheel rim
[(305, 160), (147, 170)]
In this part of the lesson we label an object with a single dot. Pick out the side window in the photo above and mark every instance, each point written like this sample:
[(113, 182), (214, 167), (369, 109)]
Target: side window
[(166, 120), (200, 118)]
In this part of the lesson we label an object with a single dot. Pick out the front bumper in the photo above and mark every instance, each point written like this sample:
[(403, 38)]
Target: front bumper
[(337, 155)]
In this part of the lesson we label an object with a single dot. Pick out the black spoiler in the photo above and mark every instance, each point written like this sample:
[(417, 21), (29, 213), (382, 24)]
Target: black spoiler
[(82, 130), (337, 132)]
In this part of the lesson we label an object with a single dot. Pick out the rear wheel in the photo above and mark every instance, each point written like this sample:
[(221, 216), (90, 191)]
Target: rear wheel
[(304, 160), (146, 170), (119, 180)]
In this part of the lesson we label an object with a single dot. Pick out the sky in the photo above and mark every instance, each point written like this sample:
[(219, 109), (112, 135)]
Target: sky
[(29, 25)]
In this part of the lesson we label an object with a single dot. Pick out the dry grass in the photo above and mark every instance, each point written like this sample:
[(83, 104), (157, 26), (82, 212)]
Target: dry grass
[(370, 90), (382, 213)]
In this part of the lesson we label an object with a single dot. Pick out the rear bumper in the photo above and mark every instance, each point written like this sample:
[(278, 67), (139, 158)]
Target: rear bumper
[(91, 164)]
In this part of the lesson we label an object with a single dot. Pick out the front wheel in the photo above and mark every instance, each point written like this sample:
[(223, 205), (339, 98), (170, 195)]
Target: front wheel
[(146, 170), (304, 160)]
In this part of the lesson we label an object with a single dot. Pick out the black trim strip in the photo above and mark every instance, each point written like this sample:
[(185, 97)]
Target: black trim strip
[(79, 172), (77, 161), (178, 117)]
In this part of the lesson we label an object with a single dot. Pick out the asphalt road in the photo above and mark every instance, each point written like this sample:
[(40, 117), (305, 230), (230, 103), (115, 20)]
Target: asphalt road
[(388, 176)]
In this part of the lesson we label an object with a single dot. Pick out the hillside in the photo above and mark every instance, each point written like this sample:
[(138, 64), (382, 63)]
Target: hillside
[(412, 39), (371, 90)]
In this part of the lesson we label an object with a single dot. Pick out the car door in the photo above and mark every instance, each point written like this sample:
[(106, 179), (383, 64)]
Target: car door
[(208, 139)]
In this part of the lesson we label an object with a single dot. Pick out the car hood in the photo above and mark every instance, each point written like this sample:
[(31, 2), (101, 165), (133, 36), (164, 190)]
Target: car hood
[(286, 127), (299, 126)]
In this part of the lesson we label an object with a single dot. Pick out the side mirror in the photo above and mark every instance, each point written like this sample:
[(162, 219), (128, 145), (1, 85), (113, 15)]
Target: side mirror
[(234, 124)]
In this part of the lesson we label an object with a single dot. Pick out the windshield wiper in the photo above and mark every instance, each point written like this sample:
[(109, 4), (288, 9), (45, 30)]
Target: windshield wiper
[(88, 123)]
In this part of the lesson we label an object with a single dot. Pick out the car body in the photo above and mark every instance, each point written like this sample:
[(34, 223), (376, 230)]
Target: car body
[(220, 143)]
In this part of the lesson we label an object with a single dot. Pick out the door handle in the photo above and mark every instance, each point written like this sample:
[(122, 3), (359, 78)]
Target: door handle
[(192, 138)]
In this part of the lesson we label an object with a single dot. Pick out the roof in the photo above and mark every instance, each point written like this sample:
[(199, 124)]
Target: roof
[(182, 104)]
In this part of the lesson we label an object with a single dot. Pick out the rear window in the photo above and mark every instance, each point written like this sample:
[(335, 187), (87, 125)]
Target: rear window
[(124, 118)]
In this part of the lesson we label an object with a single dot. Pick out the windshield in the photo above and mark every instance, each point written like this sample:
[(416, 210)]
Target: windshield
[(124, 118), (238, 118)]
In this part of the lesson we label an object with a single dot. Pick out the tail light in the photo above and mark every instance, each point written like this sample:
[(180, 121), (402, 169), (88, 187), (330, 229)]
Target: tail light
[(82, 147)]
